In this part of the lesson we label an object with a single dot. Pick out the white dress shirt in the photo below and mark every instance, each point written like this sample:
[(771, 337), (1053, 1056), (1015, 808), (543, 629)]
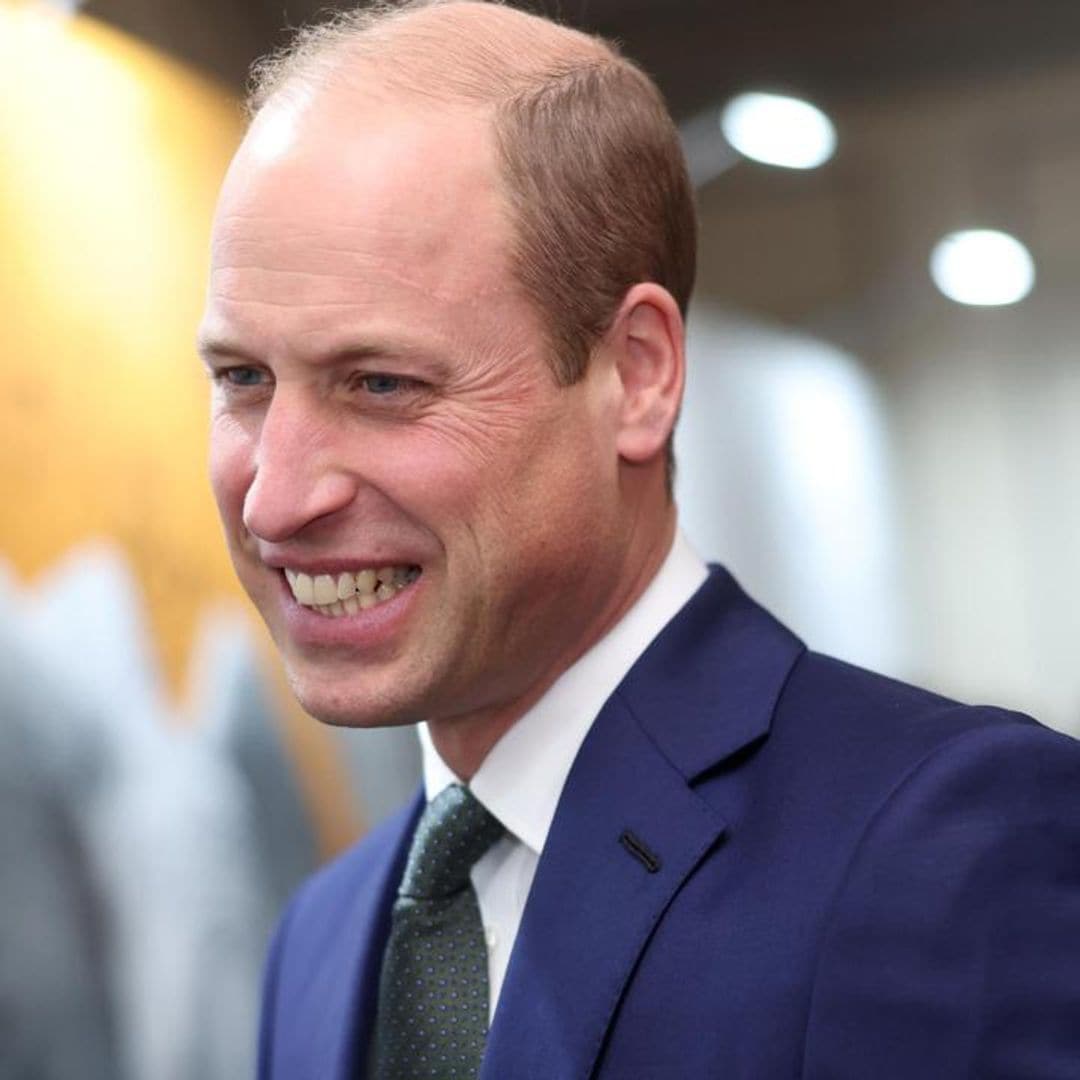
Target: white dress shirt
[(521, 779)]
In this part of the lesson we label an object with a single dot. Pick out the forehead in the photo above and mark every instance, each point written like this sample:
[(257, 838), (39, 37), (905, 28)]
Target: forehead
[(360, 201)]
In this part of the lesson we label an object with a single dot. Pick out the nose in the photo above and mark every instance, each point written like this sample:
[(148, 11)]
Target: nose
[(298, 477)]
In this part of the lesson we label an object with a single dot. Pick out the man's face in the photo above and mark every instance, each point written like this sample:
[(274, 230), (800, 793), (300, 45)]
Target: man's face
[(382, 401)]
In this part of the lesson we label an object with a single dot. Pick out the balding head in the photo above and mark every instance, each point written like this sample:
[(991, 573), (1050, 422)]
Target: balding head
[(589, 158), (440, 50)]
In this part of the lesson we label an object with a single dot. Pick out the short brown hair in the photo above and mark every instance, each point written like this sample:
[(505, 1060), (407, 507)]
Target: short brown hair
[(591, 159)]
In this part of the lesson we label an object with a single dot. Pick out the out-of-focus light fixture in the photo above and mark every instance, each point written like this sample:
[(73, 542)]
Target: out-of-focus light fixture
[(778, 130), (44, 7), (983, 267)]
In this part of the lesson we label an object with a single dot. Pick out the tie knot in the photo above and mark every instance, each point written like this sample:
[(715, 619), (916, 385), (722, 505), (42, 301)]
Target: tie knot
[(454, 831)]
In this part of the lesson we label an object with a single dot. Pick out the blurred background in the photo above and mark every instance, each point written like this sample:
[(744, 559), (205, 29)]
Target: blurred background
[(881, 439)]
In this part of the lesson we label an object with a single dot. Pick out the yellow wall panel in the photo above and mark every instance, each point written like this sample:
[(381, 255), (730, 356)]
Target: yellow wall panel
[(110, 159)]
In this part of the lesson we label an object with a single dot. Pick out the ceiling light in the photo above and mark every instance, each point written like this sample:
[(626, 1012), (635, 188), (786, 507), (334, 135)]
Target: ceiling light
[(982, 267), (65, 8), (778, 130)]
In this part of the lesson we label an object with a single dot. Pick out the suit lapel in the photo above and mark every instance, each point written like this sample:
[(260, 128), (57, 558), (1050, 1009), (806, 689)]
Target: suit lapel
[(594, 903), (630, 828), (705, 690)]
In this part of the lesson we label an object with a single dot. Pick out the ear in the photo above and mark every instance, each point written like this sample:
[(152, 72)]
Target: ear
[(647, 339)]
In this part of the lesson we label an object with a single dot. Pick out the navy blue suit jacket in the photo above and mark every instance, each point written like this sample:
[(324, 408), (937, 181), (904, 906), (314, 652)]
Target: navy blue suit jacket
[(843, 877)]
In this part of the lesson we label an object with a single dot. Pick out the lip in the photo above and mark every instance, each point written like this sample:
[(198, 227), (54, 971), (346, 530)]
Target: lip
[(369, 629)]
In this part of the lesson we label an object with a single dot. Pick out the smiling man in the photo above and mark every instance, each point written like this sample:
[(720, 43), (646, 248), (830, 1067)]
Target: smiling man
[(431, 524), (658, 837)]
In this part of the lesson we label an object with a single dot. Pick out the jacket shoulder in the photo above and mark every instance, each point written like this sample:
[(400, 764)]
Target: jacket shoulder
[(843, 740), (953, 940), (870, 721)]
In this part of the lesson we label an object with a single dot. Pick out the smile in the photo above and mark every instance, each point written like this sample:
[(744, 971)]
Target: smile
[(348, 593)]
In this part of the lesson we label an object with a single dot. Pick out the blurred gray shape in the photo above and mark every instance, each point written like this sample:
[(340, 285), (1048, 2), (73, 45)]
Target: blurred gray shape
[(169, 822), (175, 842), (383, 766), (233, 703), (86, 614), (708, 153), (57, 1015), (784, 474)]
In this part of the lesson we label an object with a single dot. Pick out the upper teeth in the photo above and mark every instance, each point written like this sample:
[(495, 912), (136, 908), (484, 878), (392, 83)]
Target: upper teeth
[(349, 591)]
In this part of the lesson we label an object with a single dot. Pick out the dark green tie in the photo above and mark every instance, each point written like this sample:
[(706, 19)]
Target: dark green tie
[(433, 992)]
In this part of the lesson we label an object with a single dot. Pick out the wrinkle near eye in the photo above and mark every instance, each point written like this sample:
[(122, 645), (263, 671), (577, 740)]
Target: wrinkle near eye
[(477, 432)]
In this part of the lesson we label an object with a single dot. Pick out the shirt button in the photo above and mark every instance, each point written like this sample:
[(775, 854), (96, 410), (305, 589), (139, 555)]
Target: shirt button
[(491, 936)]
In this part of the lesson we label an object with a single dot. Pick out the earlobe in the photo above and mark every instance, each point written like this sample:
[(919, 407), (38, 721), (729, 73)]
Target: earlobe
[(648, 339)]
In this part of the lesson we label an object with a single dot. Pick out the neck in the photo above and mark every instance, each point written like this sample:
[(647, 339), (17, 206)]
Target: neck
[(464, 741)]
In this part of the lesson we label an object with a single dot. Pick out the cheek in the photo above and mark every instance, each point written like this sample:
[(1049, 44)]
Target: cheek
[(429, 469)]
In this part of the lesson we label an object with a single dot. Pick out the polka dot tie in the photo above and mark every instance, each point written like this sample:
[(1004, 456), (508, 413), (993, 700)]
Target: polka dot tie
[(433, 992)]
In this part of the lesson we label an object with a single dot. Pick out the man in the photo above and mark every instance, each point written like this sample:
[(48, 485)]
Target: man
[(659, 837)]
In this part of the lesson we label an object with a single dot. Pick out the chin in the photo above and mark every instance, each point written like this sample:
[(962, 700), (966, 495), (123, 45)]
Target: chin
[(347, 708)]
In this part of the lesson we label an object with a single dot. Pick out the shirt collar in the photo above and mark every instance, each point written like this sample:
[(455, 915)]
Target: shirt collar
[(522, 777)]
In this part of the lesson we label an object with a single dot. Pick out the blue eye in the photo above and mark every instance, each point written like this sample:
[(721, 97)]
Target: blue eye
[(242, 376), (382, 384)]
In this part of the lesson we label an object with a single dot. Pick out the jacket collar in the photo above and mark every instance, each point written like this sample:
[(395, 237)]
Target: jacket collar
[(630, 828), (708, 686)]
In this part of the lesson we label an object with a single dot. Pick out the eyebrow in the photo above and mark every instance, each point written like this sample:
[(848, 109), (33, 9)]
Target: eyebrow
[(209, 347)]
